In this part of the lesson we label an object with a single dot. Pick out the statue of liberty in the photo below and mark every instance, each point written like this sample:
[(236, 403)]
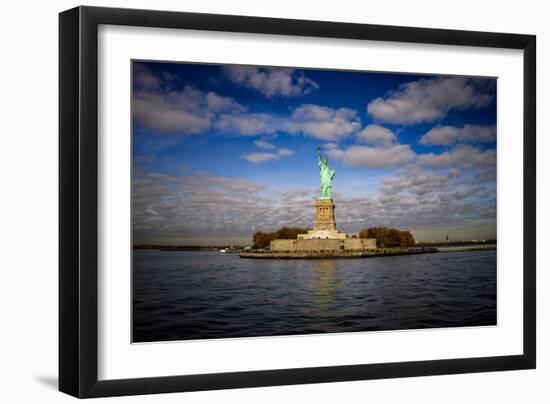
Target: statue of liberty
[(326, 175)]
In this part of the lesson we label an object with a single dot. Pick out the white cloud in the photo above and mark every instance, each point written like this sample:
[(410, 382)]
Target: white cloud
[(187, 111), (463, 157), (377, 135), (447, 135), (425, 200), (271, 82), (144, 79), (262, 144), (262, 157), (414, 182), (373, 157), (191, 111), (428, 100), (324, 123), (198, 206), (157, 112), (195, 205), (247, 124), (453, 173), (217, 103), (333, 150), (284, 152), (238, 185), (331, 145)]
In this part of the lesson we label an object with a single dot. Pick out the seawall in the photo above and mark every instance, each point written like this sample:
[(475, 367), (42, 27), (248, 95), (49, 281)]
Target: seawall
[(374, 252)]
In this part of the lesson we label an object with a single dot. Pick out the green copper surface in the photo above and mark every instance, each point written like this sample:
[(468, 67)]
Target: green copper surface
[(326, 174)]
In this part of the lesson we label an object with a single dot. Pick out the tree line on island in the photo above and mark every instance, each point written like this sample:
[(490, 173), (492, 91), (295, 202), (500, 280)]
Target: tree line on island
[(262, 239), (388, 237), (385, 236)]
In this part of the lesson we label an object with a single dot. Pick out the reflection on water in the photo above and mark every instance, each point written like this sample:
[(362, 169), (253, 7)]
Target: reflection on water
[(324, 289), (196, 295), (325, 283)]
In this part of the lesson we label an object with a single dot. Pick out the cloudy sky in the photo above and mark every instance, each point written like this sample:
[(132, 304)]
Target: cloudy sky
[(220, 152)]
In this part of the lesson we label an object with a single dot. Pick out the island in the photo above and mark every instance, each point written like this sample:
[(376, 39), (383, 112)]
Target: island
[(324, 240)]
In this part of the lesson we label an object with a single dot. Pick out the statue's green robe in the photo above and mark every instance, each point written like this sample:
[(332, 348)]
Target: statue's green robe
[(326, 175)]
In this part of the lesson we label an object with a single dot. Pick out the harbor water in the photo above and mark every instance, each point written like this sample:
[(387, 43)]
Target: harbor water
[(183, 295)]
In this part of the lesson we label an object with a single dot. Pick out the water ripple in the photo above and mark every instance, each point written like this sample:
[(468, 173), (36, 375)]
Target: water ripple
[(201, 295)]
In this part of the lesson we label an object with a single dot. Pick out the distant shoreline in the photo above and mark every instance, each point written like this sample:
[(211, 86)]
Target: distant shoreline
[(239, 248), (371, 253), (188, 248)]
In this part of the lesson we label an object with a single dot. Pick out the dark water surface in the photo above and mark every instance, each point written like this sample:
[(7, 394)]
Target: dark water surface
[(195, 295)]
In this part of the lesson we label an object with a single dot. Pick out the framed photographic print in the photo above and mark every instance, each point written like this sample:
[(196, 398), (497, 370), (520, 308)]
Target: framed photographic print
[(251, 201)]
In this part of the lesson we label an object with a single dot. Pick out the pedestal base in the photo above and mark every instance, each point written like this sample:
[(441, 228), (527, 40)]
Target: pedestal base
[(324, 227), (324, 215), (322, 246), (322, 234)]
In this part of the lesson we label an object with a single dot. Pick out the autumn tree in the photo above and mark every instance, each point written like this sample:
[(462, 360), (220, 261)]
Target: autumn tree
[(262, 239), (388, 237), (290, 232)]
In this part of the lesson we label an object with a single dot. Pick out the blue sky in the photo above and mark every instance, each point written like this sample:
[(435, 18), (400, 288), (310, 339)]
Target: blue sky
[(222, 151)]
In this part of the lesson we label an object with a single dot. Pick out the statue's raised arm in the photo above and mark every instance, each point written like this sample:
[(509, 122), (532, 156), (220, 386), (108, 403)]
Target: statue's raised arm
[(326, 174)]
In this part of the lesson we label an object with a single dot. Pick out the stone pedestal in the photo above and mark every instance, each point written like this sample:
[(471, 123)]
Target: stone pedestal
[(324, 226), (324, 215)]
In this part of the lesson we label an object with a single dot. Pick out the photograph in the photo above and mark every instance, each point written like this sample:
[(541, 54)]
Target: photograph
[(275, 201)]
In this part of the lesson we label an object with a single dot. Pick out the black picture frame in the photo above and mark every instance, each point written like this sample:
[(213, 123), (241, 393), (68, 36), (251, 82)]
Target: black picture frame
[(78, 201)]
